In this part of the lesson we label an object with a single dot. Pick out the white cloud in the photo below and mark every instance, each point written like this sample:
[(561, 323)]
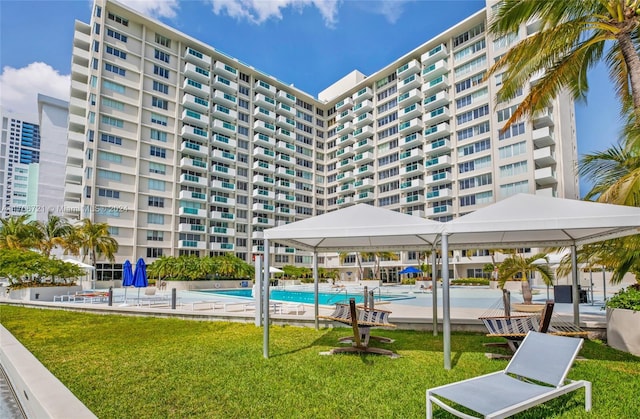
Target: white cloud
[(259, 11), (154, 8), (390, 9), (20, 87)]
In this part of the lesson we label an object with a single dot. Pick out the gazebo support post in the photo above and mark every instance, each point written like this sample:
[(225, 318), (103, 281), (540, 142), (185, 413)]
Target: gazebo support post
[(434, 290), (258, 289), (265, 300), (574, 280), (446, 318), (315, 289)]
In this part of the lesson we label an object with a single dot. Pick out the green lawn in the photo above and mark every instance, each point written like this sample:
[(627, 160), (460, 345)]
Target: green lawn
[(144, 367)]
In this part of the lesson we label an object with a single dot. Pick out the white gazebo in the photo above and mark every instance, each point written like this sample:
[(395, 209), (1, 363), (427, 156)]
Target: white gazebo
[(359, 228)]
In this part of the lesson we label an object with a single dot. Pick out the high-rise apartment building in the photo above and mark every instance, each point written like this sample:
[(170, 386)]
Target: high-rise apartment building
[(185, 150)]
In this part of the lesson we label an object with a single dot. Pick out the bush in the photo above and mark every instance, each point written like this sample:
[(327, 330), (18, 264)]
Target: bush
[(626, 298), (470, 281)]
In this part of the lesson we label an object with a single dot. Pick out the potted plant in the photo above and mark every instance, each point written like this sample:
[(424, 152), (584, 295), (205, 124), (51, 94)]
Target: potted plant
[(623, 320)]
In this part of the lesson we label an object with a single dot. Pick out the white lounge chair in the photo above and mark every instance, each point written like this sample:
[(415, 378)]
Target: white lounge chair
[(536, 373)]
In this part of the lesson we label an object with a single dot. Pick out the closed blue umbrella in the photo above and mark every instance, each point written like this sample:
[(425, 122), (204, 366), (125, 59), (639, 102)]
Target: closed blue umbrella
[(140, 276), (127, 277)]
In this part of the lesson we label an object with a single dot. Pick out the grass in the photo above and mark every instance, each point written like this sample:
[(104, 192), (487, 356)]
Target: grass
[(146, 367)]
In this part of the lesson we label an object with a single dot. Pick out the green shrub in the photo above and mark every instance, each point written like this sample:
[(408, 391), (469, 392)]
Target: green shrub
[(627, 298), (470, 281)]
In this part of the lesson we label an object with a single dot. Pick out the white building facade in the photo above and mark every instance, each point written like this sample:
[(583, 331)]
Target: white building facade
[(184, 150)]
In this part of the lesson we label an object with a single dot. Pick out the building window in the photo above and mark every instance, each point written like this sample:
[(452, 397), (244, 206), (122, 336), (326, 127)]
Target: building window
[(154, 252), (165, 42), (162, 56), (116, 35), (159, 103), (114, 69), (116, 52), (155, 218), (156, 201), (117, 19), (111, 139), (161, 71), (158, 168), (108, 193), (156, 185), (157, 151), (159, 119), (156, 236), (160, 87)]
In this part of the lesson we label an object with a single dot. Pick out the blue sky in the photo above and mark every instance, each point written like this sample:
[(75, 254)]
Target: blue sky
[(310, 43)]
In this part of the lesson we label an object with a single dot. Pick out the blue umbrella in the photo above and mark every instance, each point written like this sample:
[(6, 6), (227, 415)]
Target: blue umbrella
[(140, 276), (127, 277), (410, 270)]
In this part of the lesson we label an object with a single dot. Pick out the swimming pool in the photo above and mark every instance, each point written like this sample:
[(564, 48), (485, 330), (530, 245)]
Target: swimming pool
[(307, 297)]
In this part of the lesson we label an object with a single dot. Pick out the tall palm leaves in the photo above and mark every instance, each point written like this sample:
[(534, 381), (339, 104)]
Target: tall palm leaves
[(518, 264), (572, 39), (95, 240), (17, 232), (53, 232)]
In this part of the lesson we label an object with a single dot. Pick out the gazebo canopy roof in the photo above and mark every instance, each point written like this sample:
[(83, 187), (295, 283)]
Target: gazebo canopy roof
[(359, 227)]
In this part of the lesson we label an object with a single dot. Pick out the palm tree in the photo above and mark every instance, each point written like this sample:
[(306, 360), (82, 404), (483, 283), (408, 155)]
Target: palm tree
[(94, 240), (518, 264), (164, 267), (17, 232), (53, 232), (572, 39)]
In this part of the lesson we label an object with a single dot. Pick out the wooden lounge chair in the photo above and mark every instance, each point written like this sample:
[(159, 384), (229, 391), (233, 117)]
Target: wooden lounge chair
[(361, 319), (536, 373)]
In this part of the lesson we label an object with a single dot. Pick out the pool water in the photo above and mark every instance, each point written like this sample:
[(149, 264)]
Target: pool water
[(308, 297)]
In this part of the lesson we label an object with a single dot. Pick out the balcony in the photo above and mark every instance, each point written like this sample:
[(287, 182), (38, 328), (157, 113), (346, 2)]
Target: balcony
[(410, 112), (284, 146), (412, 200), (191, 244), (285, 211), (263, 153), (344, 128), (439, 178), (225, 70), (411, 155), (346, 164), (408, 69), (264, 127), (543, 137), (362, 145), (410, 97), (285, 134), (344, 176), (193, 117), (285, 198), (263, 221), (194, 133), (224, 99), (344, 201), (262, 100), (192, 212), (223, 201), (364, 196), (285, 97), (223, 141), (195, 102), (436, 100), (411, 170), (345, 140), (262, 180), (344, 152), (435, 131), (366, 170), (412, 185), (435, 85), (436, 116), (188, 179), (411, 141), (263, 139), (438, 162), (363, 132), (223, 156), (545, 176), (366, 157), (264, 114), (224, 127), (224, 113), (220, 185), (436, 69), (439, 211), (264, 87), (286, 123), (362, 94), (344, 104), (409, 83), (285, 184), (364, 106), (222, 231), (263, 207), (226, 85), (409, 127), (363, 183), (196, 88), (223, 170), (196, 73), (187, 147), (344, 116), (435, 54), (285, 109), (192, 196), (543, 119), (189, 163), (222, 247), (263, 194), (440, 145), (285, 172), (439, 194), (222, 216), (194, 56), (191, 228), (544, 157), (264, 166)]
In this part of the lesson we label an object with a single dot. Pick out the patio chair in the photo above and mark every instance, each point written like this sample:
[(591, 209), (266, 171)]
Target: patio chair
[(536, 373)]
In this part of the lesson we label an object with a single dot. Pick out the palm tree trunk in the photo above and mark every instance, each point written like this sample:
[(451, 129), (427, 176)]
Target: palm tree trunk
[(527, 296), (632, 59)]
